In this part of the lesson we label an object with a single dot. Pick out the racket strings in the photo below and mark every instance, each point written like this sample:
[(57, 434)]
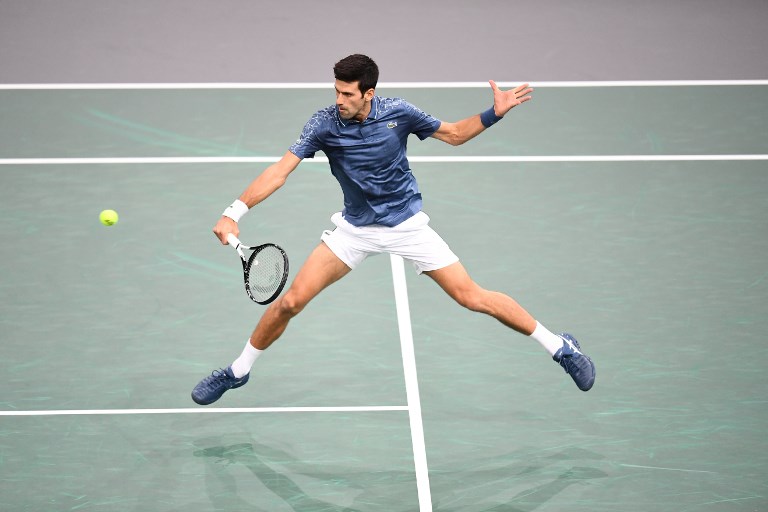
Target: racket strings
[(266, 273)]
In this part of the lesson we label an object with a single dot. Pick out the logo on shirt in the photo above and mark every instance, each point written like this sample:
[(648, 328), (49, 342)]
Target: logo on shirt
[(391, 124)]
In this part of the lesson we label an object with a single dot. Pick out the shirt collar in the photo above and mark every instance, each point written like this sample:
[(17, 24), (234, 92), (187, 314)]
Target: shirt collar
[(373, 114)]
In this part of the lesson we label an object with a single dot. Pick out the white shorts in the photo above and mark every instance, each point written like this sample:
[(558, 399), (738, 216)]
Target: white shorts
[(412, 239)]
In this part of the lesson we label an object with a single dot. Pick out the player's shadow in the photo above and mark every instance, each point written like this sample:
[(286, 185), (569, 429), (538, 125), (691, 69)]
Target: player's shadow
[(373, 487), (533, 498), (535, 467), (221, 482)]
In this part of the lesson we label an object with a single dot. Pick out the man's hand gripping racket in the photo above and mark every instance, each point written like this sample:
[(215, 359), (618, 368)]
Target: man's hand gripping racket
[(265, 270)]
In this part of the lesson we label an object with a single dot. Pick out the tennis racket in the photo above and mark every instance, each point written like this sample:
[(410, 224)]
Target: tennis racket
[(265, 271)]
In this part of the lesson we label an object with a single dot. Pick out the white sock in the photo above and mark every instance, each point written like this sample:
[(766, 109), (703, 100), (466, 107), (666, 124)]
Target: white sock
[(243, 364), (551, 342)]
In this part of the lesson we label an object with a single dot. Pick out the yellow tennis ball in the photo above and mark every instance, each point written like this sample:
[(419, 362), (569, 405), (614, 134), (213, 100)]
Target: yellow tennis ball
[(108, 217)]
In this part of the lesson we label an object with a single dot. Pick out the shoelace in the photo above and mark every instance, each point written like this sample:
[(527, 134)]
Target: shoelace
[(219, 377)]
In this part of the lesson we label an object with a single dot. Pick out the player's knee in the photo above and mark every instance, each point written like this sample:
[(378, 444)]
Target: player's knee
[(291, 304), (471, 298)]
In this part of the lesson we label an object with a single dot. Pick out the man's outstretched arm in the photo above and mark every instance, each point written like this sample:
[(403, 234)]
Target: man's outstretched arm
[(262, 187), (503, 101)]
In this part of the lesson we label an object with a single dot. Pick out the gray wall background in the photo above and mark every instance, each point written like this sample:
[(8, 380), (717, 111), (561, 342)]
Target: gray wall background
[(86, 41)]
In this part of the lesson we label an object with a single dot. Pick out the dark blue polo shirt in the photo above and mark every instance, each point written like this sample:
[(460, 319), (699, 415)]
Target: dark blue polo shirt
[(368, 159)]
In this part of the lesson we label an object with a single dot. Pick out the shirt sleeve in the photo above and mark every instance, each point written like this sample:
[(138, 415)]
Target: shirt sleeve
[(423, 125), (308, 142)]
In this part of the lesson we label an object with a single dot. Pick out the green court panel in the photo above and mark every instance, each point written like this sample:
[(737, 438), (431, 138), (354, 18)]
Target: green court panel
[(558, 121), (154, 302), (259, 462), (659, 269)]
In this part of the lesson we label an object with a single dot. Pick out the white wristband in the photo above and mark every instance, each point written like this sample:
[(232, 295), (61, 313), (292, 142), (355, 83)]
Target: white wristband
[(236, 210)]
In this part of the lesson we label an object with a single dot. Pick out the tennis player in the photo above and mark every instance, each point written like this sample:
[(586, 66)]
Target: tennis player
[(364, 137)]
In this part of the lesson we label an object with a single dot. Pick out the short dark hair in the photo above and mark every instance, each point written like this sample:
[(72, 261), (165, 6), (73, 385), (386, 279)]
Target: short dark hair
[(357, 68)]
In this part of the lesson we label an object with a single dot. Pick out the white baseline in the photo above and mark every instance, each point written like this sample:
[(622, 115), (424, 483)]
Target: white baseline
[(383, 85)]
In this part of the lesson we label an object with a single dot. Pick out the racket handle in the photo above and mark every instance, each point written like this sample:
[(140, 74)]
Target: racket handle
[(233, 241)]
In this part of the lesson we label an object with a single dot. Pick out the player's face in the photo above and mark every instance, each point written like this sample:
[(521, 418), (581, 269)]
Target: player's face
[(351, 102)]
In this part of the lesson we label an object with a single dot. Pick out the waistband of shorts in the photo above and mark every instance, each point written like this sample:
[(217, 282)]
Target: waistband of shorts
[(412, 223)]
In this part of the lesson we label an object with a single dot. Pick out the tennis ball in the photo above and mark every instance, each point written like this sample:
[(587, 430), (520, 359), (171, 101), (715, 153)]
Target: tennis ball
[(108, 217)]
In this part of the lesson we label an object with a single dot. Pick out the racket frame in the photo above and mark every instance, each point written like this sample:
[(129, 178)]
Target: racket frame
[(249, 262)]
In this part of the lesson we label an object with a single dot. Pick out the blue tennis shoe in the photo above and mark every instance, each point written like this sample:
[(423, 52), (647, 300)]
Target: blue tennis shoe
[(575, 363), (213, 386)]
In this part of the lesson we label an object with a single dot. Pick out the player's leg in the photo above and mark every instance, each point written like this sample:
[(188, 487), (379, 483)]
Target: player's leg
[(457, 283), (321, 269), (563, 348)]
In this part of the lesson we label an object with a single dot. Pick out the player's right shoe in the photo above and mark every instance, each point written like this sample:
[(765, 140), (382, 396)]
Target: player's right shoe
[(213, 386), (575, 363)]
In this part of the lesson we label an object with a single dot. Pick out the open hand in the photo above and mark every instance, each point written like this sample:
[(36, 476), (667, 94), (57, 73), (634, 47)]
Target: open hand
[(504, 101)]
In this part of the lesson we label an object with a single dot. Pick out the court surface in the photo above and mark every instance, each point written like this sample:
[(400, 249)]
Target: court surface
[(656, 263)]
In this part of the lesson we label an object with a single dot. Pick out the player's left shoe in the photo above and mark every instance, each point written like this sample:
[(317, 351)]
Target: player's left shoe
[(575, 363)]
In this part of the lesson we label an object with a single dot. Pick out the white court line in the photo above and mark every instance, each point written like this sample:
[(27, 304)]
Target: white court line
[(417, 159), (383, 85), (411, 383), (201, 410)]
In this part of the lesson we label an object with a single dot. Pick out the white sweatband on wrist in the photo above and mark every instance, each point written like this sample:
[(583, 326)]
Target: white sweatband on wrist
[(236, 210)]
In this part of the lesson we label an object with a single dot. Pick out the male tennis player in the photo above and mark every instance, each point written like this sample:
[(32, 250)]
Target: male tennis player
[(364, 137)]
